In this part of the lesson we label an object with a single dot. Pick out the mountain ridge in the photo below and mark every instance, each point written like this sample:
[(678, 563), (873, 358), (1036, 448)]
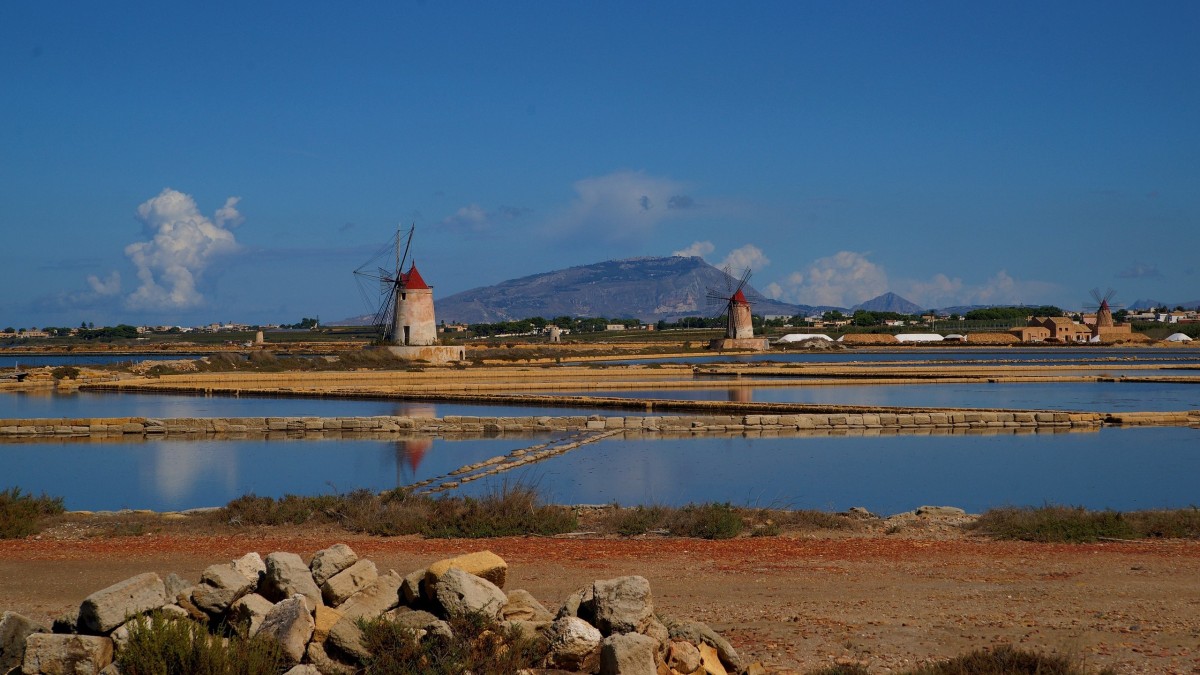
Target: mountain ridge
[(646, 288)]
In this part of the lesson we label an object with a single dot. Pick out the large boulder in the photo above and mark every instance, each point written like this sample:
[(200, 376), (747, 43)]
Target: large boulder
[(54, 654), (219, 586), (290, 624), (317, 655), (328, 562), (374, 600), (414, 619), (484, 564), (522, 606), (14, 628), (175, 586), (286, 576), (324, 619), (246, 614), (628, 654), (252, 566), (581, 603), (410, 588), (459, 593), (698, 633), (574, 644), (622, 605), (347, 582), (347, 638), (106, 609), (710, 661), (683, 656)]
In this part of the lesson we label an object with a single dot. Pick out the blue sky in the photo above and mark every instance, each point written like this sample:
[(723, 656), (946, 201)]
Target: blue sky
[(163, 163)]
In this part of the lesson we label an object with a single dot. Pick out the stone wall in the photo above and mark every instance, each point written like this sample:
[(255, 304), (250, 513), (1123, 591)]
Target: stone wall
[(651, 424)]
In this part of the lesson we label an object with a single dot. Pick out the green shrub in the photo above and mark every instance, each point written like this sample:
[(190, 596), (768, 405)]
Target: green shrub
[(635, 521), (21, 514), (480, 645), (288, 510), (1004, 660), (1077, 524), (508, 511), (706, 521), (65, 373), (159, 645)]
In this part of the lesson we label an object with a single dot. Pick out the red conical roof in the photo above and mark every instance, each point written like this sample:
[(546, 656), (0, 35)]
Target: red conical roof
[(740, 298), (412, 280)]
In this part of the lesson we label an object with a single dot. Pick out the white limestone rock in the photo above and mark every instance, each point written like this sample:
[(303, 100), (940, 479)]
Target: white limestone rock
[(622, 605), (287, 576), (14, 628), (628, 654), (219, 587), (328, 562), (108, 608), (290, 624), (460, 593), (574, 644), (67, 654), (336, 589), (246, 614)]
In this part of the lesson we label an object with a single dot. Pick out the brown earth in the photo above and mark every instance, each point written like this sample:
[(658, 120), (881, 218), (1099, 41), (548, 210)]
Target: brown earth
[(793, 602)]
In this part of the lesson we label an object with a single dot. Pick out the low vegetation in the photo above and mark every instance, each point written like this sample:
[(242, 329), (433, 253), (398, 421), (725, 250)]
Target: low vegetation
[(1077, 524), (23, 514), (480, 645), (510, 510), (1008, 660), (160, 645)]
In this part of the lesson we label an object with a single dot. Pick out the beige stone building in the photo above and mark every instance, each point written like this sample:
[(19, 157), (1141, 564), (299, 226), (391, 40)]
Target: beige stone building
[(414, 323)]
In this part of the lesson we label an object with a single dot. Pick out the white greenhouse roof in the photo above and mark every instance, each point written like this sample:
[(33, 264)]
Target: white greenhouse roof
[(801, 337), (919, 337)]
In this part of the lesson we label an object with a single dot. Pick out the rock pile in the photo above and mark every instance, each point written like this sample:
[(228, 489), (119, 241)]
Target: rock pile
[(313, 612)]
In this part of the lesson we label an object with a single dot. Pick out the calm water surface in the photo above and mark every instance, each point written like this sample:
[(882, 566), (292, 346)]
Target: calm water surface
[(1111, 468), (951, 355), (1082, 396), (51, 404)]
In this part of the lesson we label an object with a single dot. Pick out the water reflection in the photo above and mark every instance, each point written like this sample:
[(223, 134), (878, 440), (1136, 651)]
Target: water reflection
[(50, 403), (741, 394), (886, 472), (1085, 396)]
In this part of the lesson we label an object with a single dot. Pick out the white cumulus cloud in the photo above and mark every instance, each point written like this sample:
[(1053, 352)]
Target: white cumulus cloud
[(621, 206), (183, 243), (698, 248), (105, 287), (844, 279), (999, 289), (746, 257)]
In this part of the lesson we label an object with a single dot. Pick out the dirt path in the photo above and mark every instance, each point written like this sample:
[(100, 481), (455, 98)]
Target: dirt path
[(800, 603)]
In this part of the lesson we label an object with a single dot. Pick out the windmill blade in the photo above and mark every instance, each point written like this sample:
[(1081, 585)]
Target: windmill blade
[(742, 283), (403, 258)]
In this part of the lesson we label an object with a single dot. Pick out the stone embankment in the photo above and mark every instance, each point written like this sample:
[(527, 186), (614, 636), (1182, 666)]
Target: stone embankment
[(450, 425), (314, 612)]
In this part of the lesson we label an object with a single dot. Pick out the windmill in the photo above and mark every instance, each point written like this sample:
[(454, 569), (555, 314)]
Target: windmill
[(387, 284), (732, 299), (1102, 307)]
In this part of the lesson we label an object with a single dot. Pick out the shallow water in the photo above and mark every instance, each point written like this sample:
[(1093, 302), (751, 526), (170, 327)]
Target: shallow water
[(52, 404), (952, 355), (1111, 468), (1081, 396)]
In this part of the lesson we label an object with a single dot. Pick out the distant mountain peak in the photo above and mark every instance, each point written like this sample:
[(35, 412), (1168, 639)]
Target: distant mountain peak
[(889, 302), (646, 288)]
